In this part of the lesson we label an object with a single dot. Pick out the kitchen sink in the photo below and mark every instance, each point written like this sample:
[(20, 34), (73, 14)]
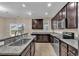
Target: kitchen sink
[(19, 42)]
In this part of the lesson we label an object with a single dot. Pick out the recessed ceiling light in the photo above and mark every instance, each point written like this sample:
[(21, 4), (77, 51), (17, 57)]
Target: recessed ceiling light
[(64, 13), (46, 13), (72, 4), (3, 9), (29, 13), (49, 4), (23, 5)]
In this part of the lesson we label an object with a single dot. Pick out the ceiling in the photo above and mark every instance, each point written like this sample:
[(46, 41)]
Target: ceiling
[(35, 9)]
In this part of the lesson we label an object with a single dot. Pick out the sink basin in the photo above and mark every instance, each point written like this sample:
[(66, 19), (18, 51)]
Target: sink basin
[(20, 42)]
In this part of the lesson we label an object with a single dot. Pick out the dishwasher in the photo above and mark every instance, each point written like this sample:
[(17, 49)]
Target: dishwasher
[(55, 44)]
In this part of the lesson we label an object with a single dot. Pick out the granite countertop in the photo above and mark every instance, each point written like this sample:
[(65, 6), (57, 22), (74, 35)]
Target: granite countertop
[(15, 50), (2, 38), (41, 32), (72, 42), (6, 37)]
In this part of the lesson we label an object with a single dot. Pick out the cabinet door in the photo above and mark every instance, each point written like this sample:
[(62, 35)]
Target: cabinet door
[(39, 38), (33, 48), (26, 52), (63, 49), (70, 54), (72, 15), (51, 39), (45, 38), (61, 22), (72, 51)]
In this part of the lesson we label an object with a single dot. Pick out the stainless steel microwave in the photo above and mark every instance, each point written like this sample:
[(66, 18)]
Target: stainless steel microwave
[(68, 35)]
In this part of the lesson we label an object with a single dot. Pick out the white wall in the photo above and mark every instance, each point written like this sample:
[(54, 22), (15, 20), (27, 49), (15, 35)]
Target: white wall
[(5, 25)]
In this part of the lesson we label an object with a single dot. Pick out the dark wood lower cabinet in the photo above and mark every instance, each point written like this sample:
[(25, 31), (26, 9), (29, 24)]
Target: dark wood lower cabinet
[(33, 48), (63, 49), (39, 38), (72, 51), (42, 38), (51, 39), (29, 50), (67, 50)]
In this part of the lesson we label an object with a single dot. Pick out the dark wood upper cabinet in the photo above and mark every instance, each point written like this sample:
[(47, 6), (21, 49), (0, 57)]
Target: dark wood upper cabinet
[(72, 15), (67, 17), (37, 23), (58, 22), (63, 11)]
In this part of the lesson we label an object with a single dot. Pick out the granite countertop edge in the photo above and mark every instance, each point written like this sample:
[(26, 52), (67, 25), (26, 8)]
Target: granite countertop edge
[(68, 41), (17, 50)]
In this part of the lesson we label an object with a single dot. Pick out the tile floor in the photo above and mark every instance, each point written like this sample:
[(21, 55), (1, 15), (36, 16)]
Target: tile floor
[(44, 49)]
